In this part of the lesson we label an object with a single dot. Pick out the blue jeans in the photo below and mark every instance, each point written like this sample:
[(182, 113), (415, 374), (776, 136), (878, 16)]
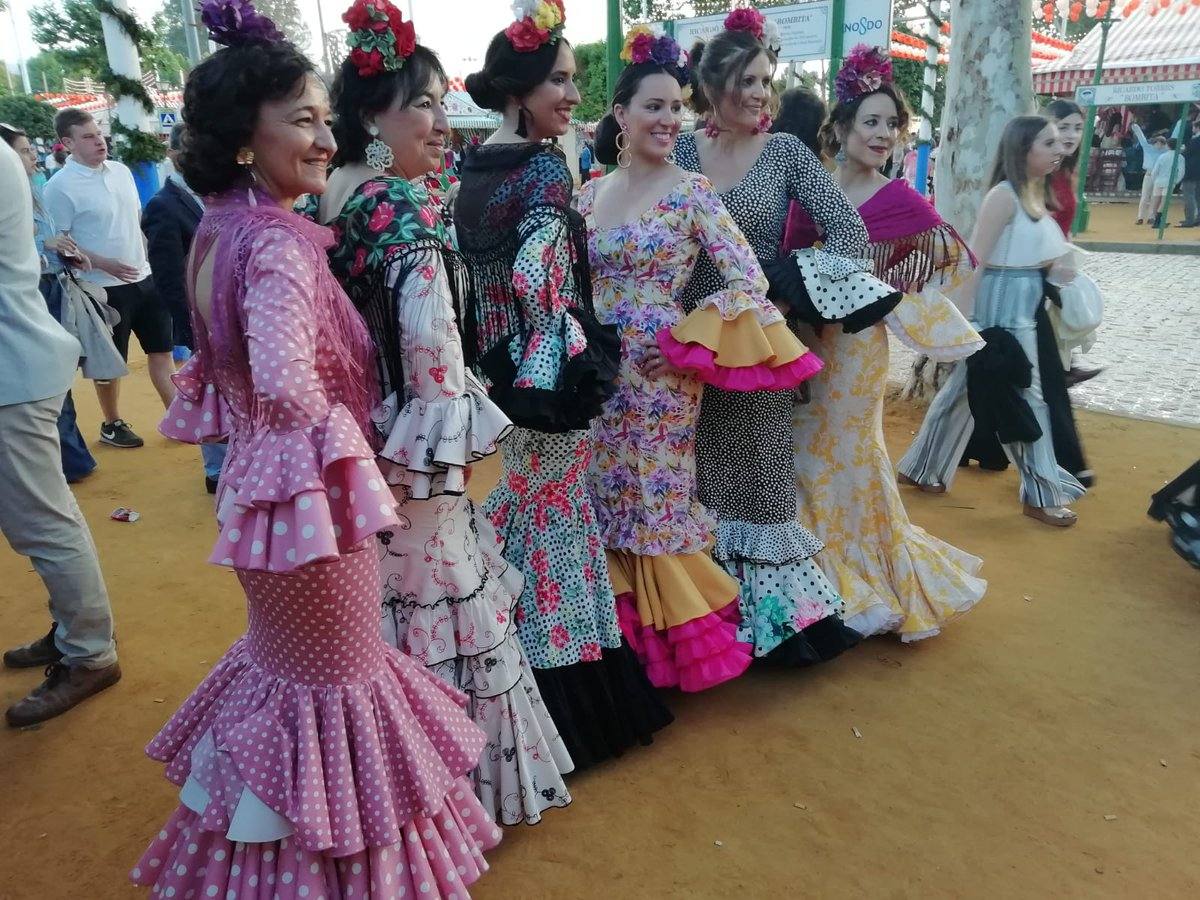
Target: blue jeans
[(77, 460), (214, 457)]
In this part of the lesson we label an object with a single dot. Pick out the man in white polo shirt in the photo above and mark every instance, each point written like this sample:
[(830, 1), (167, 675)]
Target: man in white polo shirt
[(95, 200)]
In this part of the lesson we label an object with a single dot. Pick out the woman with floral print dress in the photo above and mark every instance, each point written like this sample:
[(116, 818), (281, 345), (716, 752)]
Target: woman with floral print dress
[(531, 330), (448, 594), (876, 558), (678, 608)]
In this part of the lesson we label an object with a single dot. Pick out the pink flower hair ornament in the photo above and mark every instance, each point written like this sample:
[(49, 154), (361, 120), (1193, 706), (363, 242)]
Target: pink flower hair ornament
[(538, 22), (749, 19), (865, 71)]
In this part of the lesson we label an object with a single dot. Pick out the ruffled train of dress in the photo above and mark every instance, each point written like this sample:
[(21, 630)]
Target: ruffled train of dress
[(590, 681), (790, 613), (449, 601), (311, 733), (679, 614)]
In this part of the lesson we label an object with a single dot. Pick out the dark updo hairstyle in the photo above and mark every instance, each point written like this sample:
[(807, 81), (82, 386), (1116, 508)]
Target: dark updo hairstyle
[(356, 98), (627, 86), (10, 133), (1056, 111), (802, 113), (221, 104), (509, 74), (719, 62), (844, 112)]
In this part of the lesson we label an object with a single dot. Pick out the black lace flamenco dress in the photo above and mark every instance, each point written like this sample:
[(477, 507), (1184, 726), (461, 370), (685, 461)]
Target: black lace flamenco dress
[(530, 332)]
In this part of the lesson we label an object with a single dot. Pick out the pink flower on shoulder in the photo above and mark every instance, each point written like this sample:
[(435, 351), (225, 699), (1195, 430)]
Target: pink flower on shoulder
[(559, 636), (382, 217), (518, 484), (371, 188), (428, 217)]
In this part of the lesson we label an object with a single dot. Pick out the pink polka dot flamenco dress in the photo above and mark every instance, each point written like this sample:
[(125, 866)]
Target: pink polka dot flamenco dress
[(314, 760)]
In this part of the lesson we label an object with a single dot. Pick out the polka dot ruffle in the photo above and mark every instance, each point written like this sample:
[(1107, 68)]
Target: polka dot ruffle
[(307, 496), (198, 413)]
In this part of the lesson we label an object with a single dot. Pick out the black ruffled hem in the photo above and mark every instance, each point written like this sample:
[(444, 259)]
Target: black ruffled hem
[(602, 708), (588, 380), (819, 642), (786, 285)]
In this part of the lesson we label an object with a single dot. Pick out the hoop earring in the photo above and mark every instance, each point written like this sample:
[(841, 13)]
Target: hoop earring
[(378, 154), (522, 131), (624, 156)]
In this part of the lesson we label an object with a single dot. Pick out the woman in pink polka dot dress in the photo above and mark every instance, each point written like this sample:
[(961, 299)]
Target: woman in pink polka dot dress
[(314, 760), (448, 594)]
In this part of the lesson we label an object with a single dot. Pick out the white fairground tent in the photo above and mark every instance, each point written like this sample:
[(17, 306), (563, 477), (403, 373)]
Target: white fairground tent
[(1141, 47)]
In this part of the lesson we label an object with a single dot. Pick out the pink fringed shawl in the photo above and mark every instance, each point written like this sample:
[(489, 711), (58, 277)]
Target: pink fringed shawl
[(910, 242)]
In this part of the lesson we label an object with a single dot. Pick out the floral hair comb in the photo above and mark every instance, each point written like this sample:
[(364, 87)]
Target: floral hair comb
[(538, 22), (747, 18), (643, 44), (380, 40), (236, 23), (865, 71)]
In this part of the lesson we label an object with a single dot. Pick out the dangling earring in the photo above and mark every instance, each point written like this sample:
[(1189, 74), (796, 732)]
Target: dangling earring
[(379, 155), (671, 156), (245, 157), (522, 131), (624, 156), (840, 156), (764, 123), (711, 129)]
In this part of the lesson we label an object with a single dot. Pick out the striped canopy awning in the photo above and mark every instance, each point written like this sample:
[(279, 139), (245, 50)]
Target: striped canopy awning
[(1164, 47)]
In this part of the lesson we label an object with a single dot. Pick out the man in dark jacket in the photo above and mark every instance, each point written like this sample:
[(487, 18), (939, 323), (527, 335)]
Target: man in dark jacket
[(169, 222)]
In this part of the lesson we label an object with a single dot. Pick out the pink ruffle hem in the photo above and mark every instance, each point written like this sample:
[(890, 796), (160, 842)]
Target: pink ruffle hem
[(701, 361), (694, 656), (436, 856)]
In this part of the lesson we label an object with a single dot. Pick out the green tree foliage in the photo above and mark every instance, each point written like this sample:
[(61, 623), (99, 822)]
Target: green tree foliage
[(35, 117), (167, 26), (592, 80), (286, 14), (73, 31), (48, 69)]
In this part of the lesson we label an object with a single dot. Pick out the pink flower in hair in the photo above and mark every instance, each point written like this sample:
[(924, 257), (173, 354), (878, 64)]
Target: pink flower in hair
[(746, 19), (865, 71)]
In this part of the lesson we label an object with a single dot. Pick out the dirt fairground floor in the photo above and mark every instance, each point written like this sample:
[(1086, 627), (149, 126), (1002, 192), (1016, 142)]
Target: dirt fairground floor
[(1048, 744)]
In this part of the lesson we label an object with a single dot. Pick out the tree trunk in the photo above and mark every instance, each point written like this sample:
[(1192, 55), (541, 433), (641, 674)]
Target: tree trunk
[(990, 80)]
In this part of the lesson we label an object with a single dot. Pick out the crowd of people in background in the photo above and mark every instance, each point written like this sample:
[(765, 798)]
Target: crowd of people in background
[(682, 364)]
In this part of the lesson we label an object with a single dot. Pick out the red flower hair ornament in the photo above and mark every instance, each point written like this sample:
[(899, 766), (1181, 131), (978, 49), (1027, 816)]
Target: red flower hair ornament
[(380, 40)]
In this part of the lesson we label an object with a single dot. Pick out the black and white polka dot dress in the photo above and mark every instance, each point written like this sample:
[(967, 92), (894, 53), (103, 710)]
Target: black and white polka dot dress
[(744, 444)]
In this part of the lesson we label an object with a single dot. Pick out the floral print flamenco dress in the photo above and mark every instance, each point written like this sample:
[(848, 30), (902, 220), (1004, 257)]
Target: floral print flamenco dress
[(449, 596), (893, 575), (314, 760), (529, 328), (744, 442), (678, 608)]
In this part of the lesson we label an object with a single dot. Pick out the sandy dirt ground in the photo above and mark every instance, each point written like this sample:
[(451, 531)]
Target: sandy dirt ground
[(1047, 745), (1113, 221)]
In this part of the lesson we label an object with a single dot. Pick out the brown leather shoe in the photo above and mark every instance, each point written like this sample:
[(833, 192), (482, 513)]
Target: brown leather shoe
[(64, 687), (41, 652)]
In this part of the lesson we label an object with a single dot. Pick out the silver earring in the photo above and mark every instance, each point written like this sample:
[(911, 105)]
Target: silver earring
[(840, 156), (379, 155)]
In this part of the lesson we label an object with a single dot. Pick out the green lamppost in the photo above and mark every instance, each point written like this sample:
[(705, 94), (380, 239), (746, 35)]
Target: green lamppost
[(1082, 212)]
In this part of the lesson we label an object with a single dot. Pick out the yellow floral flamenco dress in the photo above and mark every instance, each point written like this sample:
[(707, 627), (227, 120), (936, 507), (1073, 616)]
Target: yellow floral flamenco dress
[(893, 575)]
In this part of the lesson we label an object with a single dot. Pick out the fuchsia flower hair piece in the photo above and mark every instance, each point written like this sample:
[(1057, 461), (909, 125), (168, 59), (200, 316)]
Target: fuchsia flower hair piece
[(746, 19), (865, 71)]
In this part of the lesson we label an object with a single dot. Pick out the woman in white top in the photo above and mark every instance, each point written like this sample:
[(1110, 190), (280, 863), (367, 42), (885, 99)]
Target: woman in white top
[(1016, 241)]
